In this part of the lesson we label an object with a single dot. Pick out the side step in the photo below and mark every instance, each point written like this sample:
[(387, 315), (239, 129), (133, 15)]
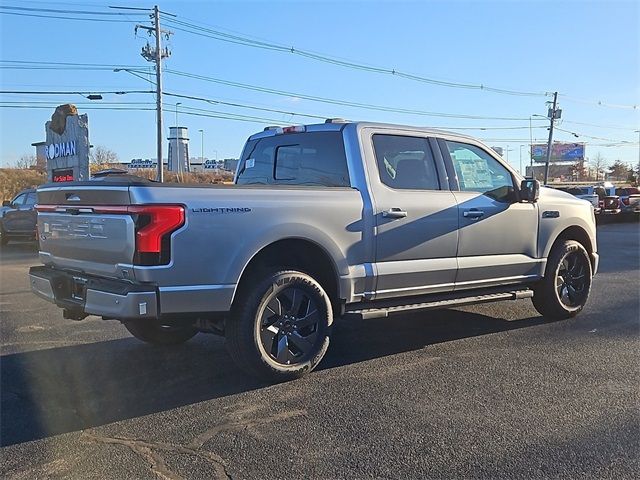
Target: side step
[(371, 310)]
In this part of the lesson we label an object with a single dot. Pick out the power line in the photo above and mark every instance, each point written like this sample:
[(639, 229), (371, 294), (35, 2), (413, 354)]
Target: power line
[(54, 104), (35, 65), (55, 10), (240, 105), (88, 107), (614, 127), (346, 103), (39, 65), (84, 19), (598, 103), (246, 41), (589, 136), (53, 92)]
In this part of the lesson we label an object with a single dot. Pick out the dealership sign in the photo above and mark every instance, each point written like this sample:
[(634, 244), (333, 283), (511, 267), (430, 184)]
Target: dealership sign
[(560, 152), (64, 149), (66, 146)]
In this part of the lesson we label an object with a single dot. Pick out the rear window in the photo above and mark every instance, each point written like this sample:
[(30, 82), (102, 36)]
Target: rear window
[(313, 158)]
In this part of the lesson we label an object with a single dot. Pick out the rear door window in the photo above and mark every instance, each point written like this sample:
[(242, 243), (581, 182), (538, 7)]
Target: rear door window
[(310, 158), (405, 162), (31, 200)]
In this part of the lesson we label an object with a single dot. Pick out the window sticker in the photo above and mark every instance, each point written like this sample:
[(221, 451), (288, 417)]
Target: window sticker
[(250, 163)]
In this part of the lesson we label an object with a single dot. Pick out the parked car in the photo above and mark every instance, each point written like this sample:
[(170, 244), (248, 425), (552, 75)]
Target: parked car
[(18, 217), (341, 219), (583, 193), (608, 202), (629, 200)]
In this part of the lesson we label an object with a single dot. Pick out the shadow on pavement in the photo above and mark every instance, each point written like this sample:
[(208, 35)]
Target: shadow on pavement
[(49, 392), (17, 252)]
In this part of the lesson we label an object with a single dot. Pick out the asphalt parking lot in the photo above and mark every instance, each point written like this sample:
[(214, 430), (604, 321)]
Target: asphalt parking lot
[(487, 391)]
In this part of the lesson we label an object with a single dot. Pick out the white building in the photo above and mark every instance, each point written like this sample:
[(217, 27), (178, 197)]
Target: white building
[(179, 149)]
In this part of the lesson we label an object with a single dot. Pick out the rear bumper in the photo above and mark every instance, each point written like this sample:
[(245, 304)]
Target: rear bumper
[(85, 295), (93, 295), (630, 209), (612, 211)]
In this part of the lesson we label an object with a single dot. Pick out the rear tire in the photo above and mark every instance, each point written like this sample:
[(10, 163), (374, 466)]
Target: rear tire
[(563, 291), (157, 334), (280, 326)]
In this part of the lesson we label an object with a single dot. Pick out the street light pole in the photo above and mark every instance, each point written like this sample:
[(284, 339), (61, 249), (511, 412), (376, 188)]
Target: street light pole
[(201, 145), (521, 160)]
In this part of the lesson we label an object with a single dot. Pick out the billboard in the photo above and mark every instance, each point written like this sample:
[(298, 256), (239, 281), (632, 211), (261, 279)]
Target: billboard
[(560, 152)]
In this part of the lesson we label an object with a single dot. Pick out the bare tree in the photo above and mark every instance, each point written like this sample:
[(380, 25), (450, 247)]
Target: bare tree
[(103, 156), (27, 161), (598, 163)]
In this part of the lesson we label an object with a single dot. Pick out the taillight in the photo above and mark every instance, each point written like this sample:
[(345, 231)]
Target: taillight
[(154, 226), (154, 222)]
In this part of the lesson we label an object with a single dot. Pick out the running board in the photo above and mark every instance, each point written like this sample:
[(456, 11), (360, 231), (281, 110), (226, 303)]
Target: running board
[(365, 312)]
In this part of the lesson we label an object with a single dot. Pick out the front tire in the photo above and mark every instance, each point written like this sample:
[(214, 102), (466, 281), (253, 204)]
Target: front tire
[(157, 334), (564, 290), (280, 326)]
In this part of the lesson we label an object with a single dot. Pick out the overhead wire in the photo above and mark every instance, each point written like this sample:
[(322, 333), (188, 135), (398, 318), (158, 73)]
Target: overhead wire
[(57, 92), (188, 27), (347, 103)]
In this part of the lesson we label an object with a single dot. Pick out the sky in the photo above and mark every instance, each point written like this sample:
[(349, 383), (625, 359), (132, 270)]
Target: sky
[(587, 51)]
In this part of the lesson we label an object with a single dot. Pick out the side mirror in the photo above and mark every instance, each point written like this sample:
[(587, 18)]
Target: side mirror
[(529, 190), (6, 203)]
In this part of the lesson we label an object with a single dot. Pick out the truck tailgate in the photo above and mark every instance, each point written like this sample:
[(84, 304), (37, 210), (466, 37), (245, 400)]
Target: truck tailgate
[(97, 238), (76, 231)]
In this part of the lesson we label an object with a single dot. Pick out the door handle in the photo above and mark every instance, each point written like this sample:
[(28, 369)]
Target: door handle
[(473, 214), (394, 212)]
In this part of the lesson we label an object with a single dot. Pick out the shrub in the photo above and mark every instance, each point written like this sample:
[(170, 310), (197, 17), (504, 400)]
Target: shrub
[(12, 180)]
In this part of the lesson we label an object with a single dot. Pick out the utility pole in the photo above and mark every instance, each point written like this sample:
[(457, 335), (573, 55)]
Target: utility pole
[(638, 174), (531, 148), (156, 55), (553, 113)]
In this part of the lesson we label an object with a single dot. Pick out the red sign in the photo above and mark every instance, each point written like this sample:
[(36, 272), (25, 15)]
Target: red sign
[(65, 175)]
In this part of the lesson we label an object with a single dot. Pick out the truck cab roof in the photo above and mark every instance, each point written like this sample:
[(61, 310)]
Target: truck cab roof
[(334, 125)]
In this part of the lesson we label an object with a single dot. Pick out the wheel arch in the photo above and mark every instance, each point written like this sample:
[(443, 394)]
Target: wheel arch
[(295, 253), (578, 234)]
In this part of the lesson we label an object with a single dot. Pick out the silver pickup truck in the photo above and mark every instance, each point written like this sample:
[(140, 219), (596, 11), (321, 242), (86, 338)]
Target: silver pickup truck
[(339, 219)]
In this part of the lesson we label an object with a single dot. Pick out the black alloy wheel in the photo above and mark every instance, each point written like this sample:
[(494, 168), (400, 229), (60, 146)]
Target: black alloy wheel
[(571, 279), (280, 325), (288, 325), (564, 290)]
